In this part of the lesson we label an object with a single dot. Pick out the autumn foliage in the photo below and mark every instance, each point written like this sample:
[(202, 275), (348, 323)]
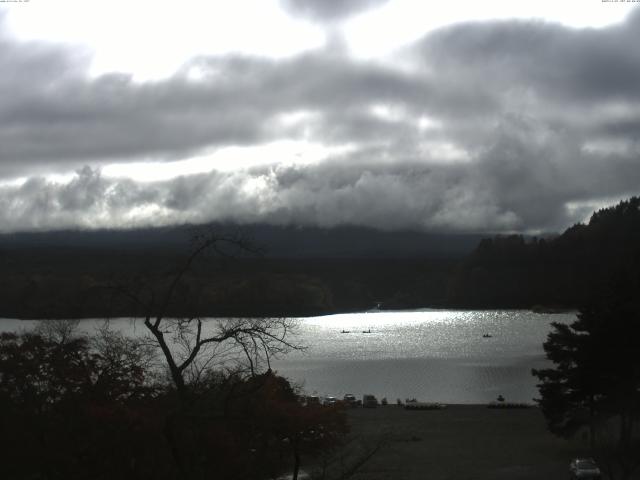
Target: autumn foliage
[(72, 410)]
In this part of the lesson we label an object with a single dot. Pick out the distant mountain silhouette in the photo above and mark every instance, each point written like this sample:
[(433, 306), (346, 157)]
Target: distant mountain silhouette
[(512, 271), (278, 241), (304, 271), (312, 271)]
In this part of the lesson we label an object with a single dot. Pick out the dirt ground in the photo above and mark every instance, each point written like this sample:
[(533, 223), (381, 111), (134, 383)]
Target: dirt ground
[(459, 442)]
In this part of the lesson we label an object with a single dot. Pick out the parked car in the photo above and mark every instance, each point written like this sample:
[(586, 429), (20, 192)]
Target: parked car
[(369, 401), (313, 400), (330, 401), (584, 468), (350, 400)]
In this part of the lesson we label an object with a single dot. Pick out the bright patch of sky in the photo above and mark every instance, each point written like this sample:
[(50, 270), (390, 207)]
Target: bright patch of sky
[(400, 22), (285, 152), (152, 39)]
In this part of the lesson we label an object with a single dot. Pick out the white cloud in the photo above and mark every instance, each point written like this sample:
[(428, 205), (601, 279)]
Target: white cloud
[(498, 125), (228, 159), (402, 22), (152, 39)]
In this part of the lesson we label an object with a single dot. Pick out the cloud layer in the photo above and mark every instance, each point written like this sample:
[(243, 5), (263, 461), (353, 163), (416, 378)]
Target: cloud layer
[(494, 126), (329, 10)]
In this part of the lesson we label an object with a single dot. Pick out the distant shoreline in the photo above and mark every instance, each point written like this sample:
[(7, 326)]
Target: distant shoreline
[(539, 310)]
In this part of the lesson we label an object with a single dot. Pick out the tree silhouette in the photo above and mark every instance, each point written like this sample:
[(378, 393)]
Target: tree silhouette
[(80, 407), (558, 272), (68, 411), (194, 348), (596, 378), (190, 345)]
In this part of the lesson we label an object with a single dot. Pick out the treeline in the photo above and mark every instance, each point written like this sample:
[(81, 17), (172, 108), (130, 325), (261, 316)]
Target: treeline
[(77, 283), (104, 407), (50, 276), (185, 399), (515, 272), (296, 272), (593, 388)]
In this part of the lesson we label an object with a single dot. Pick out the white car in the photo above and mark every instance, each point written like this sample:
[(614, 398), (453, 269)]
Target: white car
[(350, 399), (584, 468)]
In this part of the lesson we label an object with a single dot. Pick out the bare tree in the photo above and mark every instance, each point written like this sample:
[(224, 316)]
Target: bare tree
[(190, 344), (58, 331), (127, 365)]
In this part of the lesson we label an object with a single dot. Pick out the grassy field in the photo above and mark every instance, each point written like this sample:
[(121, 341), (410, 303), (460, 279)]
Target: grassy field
[(459, 442)]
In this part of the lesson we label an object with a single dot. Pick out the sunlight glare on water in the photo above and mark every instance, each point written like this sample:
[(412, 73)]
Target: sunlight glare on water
[(432, 355), (435, 355)]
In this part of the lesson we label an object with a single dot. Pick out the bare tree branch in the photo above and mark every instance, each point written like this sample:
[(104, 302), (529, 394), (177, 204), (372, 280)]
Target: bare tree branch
[(258, 339)]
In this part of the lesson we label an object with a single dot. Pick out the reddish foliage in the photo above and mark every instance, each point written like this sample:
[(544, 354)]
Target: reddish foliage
[(71, 413)]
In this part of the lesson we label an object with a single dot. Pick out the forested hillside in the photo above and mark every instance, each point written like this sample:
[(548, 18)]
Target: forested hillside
[(511, 271), (311, 272), (298, 271)]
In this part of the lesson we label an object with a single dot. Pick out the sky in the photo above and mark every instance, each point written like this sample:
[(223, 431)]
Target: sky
[(479, 117)]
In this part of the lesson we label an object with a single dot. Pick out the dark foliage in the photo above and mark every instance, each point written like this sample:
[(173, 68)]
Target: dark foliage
[(559, 272), (596, 374), (305, 271), (77, 410), (313, 272), (66, 283), (70, 412)]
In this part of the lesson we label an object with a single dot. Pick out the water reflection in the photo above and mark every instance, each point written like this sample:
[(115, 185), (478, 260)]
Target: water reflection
[(433, 355)]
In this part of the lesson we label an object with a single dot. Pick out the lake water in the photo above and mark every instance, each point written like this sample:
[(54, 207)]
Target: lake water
[(432, 355)]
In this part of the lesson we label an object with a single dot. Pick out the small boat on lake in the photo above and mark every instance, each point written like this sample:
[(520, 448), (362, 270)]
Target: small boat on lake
[(345, 331), (487, 335), (367, 331)]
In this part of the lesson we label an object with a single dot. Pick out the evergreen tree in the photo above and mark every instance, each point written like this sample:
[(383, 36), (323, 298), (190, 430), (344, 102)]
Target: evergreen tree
[(596, 373)]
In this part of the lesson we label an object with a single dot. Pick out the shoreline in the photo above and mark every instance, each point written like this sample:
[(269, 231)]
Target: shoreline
[(536, 310)]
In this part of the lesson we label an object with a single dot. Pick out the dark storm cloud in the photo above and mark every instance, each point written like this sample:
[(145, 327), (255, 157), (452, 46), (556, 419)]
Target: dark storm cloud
[(498, 126), (113, 118), (325, 195), (555, 61), (512, 187), (57, 115), (329, 10)]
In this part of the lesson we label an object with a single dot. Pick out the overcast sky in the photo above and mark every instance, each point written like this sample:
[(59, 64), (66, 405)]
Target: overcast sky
[(468, 117)]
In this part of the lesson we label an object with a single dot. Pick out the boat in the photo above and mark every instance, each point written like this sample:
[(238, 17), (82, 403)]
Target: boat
[(345, 331), (487, 335), (367, 331)]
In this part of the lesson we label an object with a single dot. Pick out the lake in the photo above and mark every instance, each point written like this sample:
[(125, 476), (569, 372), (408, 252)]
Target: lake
[(431, 355)]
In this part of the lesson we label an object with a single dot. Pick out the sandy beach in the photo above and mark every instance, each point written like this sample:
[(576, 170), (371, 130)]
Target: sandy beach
[(460, 442)]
